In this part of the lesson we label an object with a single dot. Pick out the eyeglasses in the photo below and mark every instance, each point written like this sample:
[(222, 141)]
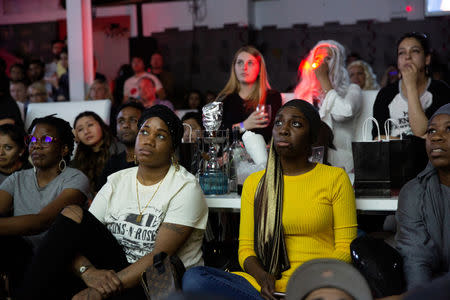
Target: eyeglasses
[(44, 140)]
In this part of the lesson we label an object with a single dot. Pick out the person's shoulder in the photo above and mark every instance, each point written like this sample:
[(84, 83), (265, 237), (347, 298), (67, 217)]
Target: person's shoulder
[(390, 89), (184, 176), (255, 177), (439, 86), (72, 172), (330, 174), (121, 175), (410, 192), (21, 175)]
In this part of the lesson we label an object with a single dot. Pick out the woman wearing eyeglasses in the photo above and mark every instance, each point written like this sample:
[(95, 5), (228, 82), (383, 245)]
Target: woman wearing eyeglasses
[(31, 199), (415, 97)]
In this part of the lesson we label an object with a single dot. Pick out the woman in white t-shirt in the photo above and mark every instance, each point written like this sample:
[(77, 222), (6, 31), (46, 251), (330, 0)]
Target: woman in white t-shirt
[(141, 211)]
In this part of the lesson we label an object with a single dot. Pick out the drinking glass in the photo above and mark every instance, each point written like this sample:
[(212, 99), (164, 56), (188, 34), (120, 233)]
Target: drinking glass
[(265, 108)]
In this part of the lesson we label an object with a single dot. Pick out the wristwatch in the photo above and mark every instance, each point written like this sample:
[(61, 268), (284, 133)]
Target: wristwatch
[(83, 269)]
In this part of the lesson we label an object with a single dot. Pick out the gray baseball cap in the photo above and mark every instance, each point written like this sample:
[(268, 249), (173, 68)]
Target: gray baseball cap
[(327, 273)]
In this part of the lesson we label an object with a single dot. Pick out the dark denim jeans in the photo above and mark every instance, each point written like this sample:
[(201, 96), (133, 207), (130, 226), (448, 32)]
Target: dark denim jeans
[(217, 282)]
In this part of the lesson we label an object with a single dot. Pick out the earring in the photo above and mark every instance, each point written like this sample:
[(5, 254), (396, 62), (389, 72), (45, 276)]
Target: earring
[(175, 162), (135, 159), (63, 162), (427, 70)]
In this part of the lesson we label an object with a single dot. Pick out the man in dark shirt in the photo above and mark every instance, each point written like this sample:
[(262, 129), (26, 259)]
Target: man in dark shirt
[(127, 130)]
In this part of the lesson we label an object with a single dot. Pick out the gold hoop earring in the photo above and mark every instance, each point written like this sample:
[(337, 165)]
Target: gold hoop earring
[(135, 159), (63, 162), (175, 162)]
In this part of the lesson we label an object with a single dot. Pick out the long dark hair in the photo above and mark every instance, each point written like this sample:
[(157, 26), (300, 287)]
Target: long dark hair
[(17, 135), (86, 160)]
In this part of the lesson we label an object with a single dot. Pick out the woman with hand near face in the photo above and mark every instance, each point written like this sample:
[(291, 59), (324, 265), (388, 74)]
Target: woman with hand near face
[(31, 199), (247, 87), (13, 151), (325, 83), (423, 214), (95, 146), (415, 97), (155, 207), (292, 212)]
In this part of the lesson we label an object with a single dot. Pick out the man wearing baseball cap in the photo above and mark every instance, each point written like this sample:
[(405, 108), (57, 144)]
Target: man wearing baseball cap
[(327, 279)]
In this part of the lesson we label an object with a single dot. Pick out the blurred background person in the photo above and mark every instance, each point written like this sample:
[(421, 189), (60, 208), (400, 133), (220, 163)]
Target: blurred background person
[(166, 77), (99, 90), (390, 75), (37, 93), (36, 72), (147, 94), (194, 122), (18, 91), (130, 87), (127, 130), (194, 100), (13, 151), (17, 72), (361, 73), (125, 71), (96, 145)]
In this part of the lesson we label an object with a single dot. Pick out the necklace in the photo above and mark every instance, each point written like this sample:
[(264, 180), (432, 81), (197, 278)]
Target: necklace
[(139, 218)]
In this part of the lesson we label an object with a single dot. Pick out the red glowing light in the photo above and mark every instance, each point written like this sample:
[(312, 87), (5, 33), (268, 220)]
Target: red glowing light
[(408, 8), (314, 65)]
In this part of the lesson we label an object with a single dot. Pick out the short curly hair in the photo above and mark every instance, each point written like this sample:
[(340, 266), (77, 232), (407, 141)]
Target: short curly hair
[(63, 129)]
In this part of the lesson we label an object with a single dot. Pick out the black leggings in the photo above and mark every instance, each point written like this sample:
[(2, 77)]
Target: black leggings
[(15, 256), (50, 274)]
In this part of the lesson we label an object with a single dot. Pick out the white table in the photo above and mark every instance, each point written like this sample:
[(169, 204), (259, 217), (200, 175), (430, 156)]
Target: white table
[(232, 202)]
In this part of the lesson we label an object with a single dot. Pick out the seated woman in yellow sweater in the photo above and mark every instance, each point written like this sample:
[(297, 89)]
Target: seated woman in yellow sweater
[(292, 212)]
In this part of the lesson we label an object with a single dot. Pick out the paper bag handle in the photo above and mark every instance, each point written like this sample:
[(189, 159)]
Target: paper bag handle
[(387, 128), (365, 128)]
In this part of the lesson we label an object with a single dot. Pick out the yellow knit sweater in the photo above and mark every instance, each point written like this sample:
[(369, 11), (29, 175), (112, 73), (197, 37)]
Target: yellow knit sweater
[(319, 218)]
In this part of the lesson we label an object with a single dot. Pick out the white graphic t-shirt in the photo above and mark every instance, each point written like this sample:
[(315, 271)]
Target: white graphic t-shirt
[(179, 200), (398, 110), (130, 87)]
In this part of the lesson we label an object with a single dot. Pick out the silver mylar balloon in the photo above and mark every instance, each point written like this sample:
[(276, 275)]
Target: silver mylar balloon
[(212, 115)]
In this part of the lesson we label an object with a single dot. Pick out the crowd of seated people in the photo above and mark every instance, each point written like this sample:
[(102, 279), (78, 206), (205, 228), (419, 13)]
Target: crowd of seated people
[(70, 216)]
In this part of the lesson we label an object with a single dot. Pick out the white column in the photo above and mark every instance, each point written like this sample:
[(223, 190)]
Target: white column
[(80, 44)]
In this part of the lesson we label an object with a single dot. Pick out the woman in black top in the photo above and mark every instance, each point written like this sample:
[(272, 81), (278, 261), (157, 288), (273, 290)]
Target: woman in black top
[(415, 97), (247, 87)]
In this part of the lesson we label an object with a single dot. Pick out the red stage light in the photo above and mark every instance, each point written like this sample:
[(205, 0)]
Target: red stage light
[(408, 8)]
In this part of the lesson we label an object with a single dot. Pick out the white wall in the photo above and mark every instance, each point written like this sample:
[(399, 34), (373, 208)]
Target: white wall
[(285, 13), (282, 13), (213, 14)]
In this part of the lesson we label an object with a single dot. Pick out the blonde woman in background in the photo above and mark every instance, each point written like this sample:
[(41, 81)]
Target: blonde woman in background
[(99, 90), (361, 73), (247, 87)]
